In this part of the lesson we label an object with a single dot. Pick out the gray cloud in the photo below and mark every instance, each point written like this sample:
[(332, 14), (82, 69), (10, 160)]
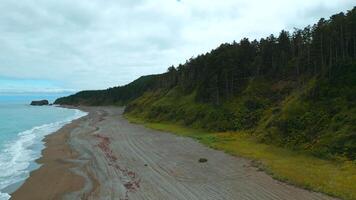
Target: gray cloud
[(91, 44)]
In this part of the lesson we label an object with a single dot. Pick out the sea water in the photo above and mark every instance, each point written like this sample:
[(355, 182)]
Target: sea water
[(22, 129)]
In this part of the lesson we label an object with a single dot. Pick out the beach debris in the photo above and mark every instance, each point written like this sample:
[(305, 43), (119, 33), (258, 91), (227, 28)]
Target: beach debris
[(104, 146), (130, 180)]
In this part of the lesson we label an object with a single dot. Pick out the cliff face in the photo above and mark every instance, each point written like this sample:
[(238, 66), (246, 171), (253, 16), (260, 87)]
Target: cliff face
[(39, 103)]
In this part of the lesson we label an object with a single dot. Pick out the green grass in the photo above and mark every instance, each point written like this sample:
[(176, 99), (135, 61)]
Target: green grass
[(330, 177)]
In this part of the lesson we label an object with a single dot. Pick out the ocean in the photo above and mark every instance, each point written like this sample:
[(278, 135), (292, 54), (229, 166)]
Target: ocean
[(22, 129)]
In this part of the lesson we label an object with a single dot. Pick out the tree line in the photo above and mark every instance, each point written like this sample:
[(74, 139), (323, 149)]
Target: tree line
[(316, 50)]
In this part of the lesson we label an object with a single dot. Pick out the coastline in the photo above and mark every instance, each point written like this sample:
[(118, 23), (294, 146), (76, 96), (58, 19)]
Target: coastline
[(103, 156), (54, 165)]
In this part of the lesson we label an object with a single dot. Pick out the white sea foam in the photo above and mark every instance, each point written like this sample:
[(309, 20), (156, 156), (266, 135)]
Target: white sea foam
[(16, 157), (4, 196)]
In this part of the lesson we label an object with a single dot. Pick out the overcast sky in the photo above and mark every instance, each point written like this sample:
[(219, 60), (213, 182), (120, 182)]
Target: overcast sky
[(55, 45)]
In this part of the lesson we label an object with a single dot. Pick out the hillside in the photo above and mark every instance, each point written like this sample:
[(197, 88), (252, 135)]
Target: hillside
[(296, 90), (112, 96)]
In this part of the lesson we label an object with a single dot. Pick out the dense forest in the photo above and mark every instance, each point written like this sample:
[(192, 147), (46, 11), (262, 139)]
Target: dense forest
[(296, 90), (112, 96)]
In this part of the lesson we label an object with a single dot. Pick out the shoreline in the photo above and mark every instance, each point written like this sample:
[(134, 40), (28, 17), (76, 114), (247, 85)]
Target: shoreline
[(54, 163), (104, 156)]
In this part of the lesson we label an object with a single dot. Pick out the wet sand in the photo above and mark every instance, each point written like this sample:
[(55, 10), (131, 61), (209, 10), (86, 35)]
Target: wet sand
[(103, 156), (54, 178)]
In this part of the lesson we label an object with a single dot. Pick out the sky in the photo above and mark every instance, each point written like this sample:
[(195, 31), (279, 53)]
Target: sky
[(67, 46)]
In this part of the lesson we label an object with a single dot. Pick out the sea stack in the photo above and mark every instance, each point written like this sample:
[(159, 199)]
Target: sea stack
[(40, 103)]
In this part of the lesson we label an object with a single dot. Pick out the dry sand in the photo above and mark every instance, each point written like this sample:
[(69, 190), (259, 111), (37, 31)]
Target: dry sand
[(103, 156)]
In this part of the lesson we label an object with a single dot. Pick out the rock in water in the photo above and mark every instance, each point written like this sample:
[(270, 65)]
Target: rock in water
[(39, 103)]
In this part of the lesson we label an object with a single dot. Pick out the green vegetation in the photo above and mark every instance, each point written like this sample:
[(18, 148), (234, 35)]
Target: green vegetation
[(333, 178), (317, 117), (288, 94), (112, 96), (320, 118)]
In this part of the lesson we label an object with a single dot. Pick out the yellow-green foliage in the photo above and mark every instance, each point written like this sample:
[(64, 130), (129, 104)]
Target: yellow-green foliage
[(315, 115), (294, 119), (331, 177), (175, 107)]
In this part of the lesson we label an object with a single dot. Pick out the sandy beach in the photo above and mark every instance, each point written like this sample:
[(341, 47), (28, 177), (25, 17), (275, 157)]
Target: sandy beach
[(103, 156)]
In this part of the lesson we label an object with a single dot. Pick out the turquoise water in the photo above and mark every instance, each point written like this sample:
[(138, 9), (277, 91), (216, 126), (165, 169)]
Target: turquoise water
[(22, 128)]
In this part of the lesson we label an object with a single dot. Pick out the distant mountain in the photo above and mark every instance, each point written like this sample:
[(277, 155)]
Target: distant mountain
[(296, 90)]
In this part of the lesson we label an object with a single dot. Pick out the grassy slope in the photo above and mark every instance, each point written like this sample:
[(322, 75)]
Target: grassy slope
[(318, 117), (302, 131), (333, 178), (315, 115), (112, 96)]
